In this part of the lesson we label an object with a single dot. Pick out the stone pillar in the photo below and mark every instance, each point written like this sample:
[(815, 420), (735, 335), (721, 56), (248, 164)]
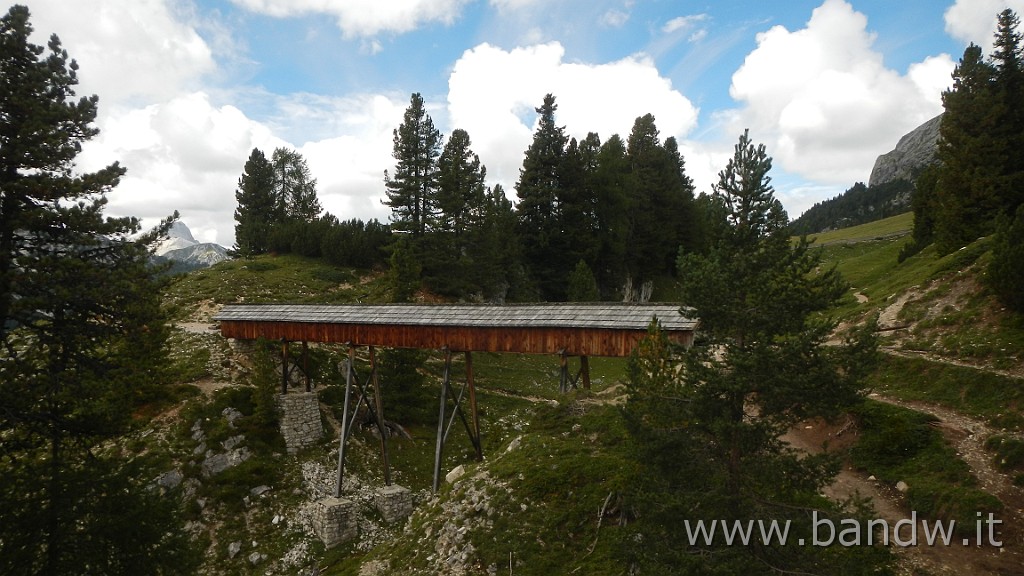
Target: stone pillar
[(300, 420), (394, 503), (335, 521)]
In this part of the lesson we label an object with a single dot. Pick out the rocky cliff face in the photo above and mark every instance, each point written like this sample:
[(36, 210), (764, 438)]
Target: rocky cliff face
[(913, 152)]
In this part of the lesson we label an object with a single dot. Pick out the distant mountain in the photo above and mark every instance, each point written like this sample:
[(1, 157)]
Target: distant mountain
[(186, 252), (888, 191), (178, 237)]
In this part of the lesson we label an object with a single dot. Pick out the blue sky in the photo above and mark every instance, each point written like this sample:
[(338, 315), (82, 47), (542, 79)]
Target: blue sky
[(188, 87)]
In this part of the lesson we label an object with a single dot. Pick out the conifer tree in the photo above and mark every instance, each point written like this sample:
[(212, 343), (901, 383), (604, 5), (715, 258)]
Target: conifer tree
[(412, 188), (254, 215), (538, 189), (449, 266), (761, 367), (294, 188), (82, 335)]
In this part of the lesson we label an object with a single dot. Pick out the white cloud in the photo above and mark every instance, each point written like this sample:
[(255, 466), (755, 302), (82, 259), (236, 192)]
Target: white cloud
[(615, 18), (505, 5), (126, 50), (493, 93), (822, 100), (364, 17), (185, 154), (684, 23), (975, 20)]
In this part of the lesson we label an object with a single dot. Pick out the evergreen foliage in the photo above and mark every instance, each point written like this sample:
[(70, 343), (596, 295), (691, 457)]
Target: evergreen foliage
[(1006, 270), (981, 149), (294, 188), (720, 407), (859, 204), (538, 189), (582, 285), (412, 189), (255, 214), (82, 337)]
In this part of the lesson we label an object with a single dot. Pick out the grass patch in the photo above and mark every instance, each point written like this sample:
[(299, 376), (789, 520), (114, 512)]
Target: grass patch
[(899, 224), (992, 397), (897, 444)]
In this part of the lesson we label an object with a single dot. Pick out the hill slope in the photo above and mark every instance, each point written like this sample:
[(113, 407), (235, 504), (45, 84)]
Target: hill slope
[(552, 462)]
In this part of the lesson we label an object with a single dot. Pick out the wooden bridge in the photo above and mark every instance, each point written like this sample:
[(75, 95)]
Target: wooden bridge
[(569, 329)]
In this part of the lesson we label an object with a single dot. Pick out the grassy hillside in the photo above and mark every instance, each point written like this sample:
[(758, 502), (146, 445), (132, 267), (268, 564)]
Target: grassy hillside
[(552, 461)]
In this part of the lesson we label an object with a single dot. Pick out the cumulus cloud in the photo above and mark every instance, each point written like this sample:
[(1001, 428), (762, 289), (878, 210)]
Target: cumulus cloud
[(975, 20), (493, 93), (823, 101), (135, 50), (185, 154), (364, 17)]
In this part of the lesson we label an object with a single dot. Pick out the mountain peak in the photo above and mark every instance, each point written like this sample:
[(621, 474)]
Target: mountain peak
[(178, 237)]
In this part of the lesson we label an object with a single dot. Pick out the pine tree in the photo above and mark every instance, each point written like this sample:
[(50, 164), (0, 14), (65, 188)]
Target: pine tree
[(662, 201), (538, 189), (1008, 61), (82, 334), (254, 215), (612, 187), (762, 365), (1004, 271), (294, 188), (412, 188), (968, 148), (449, 265)]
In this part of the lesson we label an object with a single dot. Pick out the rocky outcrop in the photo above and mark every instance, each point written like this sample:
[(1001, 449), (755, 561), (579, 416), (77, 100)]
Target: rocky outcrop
[(913, 152)]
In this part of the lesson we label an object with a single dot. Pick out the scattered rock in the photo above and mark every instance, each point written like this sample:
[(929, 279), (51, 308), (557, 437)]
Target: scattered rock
[(260, 490), (233, 442), (255, 558), (514, 444), (455, 474), (902, 487), (170, 480), (233, 549), (231, 415)]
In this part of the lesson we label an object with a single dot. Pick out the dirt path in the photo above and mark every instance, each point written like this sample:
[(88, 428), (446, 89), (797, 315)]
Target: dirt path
[(968, 436)]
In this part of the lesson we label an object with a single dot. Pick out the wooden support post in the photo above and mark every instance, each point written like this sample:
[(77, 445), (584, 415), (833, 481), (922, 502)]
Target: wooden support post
[(563, 381), (305, 365), (379, 405), (284, 366), (343, 436), (585, 371), (440, 420), (474, 416)]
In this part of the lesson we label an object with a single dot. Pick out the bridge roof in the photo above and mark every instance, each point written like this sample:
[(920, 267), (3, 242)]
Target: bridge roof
[(600, 329)]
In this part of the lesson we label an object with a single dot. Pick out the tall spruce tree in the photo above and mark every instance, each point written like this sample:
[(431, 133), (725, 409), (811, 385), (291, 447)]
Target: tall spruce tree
[(761, 367), (661, 206), (448, 253), (611, 181), (539, 189), (254, 215), (294, 188), (969, 153), (82, 335), (1008, 60), (412, 188)]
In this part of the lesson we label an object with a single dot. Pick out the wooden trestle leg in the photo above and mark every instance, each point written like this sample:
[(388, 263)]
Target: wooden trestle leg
[(567, 381), (349, 412), (443, 427)]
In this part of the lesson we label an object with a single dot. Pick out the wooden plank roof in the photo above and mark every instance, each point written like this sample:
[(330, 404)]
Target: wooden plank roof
[(599, 329), (570, 315)]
